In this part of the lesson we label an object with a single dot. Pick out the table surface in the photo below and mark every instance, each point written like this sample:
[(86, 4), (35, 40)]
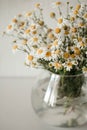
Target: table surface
[(16, 111)]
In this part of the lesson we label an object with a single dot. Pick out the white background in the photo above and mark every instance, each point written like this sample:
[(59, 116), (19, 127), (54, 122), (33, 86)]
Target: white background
[(10, 64)]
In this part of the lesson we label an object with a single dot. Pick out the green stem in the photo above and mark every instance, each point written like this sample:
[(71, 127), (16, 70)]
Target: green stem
[(70, 86), (60, 13), (67, 10), (23, 50)]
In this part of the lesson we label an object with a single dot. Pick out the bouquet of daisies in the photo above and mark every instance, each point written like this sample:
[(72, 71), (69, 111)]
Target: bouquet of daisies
[(61, 50)]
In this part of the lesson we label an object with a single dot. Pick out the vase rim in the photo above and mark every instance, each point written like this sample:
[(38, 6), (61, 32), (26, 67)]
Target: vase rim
[(76, 75)]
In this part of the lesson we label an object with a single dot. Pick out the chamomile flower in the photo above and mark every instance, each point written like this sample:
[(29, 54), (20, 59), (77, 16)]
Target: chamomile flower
[(52, 15), (14, 21), (61, 22), (56, 4), (30, 60), (55, 44), (68, 66), (14, 48), (51, 64), (40, 52), (84, 69), (28, 14), (85, 16), (47, 55), (10, 28), (24, 42), (57, 66)]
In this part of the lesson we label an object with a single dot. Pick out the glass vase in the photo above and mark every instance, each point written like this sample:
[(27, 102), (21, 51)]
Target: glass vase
[(62, 100)]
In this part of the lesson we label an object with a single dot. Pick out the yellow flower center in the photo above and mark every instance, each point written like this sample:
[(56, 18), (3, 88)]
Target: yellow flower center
[(28, 14), (73, 36), (41, 23), (75, 12), (85, 69), (33, 27), (74, 30), (57, 30), (60, 20), (72, 55), (66, 55), (57, 52), (37, 5), (15, 47), (48, 54), (69, 64), (34, 32), (72, 18), (57, 65), (51, 35), (55, 43), (39, 51), (81, 24), (50, 64), (77, 51), (85, 15), (9, 27), (49, 46), (58, 3), (49, 30), (14, 21), (79, 39), (19, 15), (35, 39), (24, 42), (22, 24), (66, 32), (30, 57), (82, 44), (27, 31), (52, 15), (78, 7)]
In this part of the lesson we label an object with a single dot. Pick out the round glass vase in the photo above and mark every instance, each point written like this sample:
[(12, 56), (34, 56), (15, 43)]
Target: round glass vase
[(62, 100)]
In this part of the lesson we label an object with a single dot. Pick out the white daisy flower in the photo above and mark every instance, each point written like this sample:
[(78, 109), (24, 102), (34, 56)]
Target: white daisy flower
[(10, 29), (56, 4), (68, 66), (47, 55), (14, 48), (84, 69), (57, 65)]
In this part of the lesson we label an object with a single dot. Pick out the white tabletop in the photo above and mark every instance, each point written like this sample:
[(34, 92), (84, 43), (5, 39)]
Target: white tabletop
[(16, 111)]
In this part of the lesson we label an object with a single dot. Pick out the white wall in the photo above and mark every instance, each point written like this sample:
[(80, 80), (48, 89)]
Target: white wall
[(13, 65)]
